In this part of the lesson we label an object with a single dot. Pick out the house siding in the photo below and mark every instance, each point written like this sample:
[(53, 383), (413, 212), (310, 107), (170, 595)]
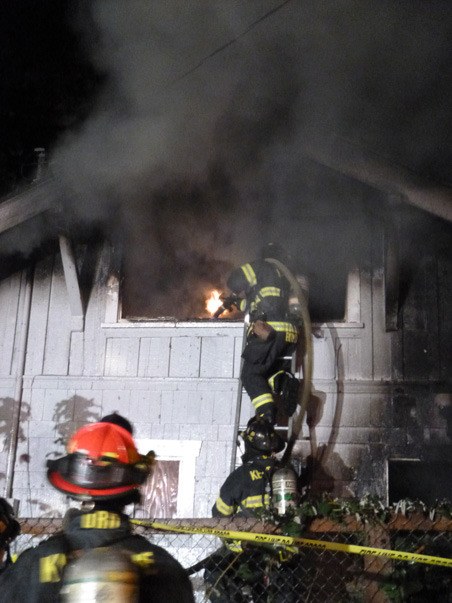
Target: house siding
[(179, 381)]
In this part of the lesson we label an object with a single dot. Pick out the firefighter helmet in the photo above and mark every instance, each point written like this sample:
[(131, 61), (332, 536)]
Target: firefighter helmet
[(102, 463), (118, 419), (9, 526), (260, 436)]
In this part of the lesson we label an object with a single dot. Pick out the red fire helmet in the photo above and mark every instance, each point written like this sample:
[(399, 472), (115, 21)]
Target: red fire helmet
[(102, 463)]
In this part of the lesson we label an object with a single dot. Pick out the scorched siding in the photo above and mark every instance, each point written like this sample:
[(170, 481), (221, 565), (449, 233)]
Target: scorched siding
[(179, 382)]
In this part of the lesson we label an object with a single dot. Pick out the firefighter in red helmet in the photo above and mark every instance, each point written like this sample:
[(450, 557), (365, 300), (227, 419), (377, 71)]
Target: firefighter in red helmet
[(104, 469), (273, 332), (102, 464)]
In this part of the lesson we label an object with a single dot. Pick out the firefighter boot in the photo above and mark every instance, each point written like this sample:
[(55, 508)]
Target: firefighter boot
[(268, 413)]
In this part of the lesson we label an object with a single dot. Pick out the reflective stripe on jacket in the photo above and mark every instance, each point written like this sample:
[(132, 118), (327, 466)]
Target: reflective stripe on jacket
[(245, 490), (265, 288)]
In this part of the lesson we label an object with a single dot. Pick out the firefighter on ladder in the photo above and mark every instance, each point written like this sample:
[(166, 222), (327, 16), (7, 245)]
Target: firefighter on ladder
[(96, 557), (239, 571), (272, 332)]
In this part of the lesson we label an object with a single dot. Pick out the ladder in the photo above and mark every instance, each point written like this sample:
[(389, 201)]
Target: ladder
[(293, 429), (283, 425)]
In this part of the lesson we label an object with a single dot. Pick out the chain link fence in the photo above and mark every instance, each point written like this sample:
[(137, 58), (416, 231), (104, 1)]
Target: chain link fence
[(276, 574)]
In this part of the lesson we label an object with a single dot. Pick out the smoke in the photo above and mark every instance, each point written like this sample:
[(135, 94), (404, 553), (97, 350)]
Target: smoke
[(191, 157)]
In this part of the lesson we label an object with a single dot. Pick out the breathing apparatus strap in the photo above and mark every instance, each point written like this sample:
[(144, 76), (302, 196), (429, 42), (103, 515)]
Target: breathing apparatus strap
[(267, 485)]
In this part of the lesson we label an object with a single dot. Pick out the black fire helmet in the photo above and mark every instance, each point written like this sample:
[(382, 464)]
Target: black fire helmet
[(260, 436)]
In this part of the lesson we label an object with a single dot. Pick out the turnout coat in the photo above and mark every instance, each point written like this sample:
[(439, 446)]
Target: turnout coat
[(38, 573)]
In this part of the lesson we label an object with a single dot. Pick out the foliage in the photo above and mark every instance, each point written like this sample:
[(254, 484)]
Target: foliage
[(415, 582), (367, 510), (407, 582)]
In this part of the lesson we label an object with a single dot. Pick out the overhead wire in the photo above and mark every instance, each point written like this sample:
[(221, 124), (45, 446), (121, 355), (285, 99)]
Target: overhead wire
[(233, 41)]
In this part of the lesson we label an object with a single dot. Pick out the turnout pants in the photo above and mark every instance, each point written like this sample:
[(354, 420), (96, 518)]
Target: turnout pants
[(261, 360)]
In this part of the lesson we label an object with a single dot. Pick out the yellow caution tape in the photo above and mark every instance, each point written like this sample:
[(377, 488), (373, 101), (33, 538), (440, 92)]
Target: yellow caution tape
[(303, 542)]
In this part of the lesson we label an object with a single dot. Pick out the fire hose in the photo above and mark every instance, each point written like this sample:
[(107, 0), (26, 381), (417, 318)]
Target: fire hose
[(307, 360)]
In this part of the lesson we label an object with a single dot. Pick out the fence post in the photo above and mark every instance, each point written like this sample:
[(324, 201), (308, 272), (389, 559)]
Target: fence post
[(375, 568)]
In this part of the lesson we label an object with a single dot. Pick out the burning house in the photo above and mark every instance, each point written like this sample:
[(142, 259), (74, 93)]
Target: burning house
[(378, 418), (108, 261)]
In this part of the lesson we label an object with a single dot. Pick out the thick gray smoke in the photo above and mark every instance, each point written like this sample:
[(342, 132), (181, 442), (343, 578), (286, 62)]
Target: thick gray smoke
[(192, 157)]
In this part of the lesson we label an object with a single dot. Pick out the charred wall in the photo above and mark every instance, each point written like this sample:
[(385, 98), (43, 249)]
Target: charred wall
[(377, 395)]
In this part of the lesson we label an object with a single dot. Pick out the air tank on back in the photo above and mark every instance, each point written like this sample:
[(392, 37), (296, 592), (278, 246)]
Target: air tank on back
[(101, 574), (284, 490)]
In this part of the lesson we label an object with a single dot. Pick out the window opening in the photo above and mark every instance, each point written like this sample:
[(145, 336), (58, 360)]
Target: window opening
[(188, 302), (170, 489), (419, 480)]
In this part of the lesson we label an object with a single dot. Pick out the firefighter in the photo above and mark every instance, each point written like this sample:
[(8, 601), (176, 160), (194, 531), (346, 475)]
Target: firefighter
[(272, 333), (103, 469), (9, 529), (118, 419), (248, 487), (237, 570)]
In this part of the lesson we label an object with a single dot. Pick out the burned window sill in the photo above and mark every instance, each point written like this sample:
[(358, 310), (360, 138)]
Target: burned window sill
[(209, 323), (173, 323)]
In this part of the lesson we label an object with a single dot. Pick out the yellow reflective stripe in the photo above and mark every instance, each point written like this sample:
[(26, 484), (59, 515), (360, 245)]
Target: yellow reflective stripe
[(234, 545), (243, 305), (100, 520), (270, 292), (286, 553), (261, 400), (271, 380), (287, 328), (51, 567), (249, 273), (144, 559), (252, 502), (223, 507)]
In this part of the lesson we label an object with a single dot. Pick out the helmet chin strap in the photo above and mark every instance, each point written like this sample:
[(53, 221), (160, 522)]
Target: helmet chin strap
[(252, 454)]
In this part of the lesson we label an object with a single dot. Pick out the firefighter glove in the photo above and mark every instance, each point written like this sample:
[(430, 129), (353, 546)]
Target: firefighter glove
[(230, 301)]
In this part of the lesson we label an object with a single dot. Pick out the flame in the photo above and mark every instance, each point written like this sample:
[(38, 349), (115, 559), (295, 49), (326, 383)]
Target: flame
[(213, 302)]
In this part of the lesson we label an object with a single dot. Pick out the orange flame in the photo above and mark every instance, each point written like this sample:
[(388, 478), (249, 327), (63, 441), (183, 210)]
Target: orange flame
[(213, 302)]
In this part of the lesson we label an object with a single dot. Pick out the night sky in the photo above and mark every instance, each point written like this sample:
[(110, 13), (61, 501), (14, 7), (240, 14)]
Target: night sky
[(177, 127), (48, 82)]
